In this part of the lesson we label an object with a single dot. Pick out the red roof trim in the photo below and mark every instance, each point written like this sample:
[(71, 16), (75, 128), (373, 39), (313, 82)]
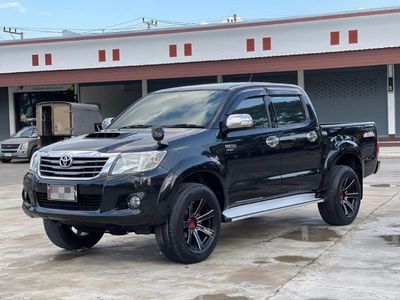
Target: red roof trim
[(210, 68), (207, 28)]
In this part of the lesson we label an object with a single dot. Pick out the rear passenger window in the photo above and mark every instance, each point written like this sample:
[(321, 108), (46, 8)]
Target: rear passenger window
[(255, 107), (288, 109)]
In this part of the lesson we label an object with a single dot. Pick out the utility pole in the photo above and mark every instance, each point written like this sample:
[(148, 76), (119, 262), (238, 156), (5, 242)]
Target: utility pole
[(232, 19), (13, 31), (149, 23)]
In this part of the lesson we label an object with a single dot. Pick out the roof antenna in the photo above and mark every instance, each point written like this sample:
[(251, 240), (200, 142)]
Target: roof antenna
[(251, 77)]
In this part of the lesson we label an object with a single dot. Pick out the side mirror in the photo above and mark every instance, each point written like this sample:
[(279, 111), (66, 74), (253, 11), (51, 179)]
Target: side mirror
[(238, 121), (106, 122)]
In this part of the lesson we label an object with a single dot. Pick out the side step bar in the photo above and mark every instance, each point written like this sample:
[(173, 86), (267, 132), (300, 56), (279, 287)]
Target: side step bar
[(250, 210)]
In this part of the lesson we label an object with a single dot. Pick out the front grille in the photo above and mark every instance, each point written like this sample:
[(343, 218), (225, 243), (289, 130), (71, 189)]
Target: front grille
[(85, 202), (9, 146), (82, 167), (9, 151)]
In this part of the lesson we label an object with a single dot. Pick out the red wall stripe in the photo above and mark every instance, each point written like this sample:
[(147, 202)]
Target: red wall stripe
[(188, 49), (102, 55), (353, 36), (48, 59), (115, 55), (35, 59), (335, 38), (267, 44), (173, 51), (250, 45)]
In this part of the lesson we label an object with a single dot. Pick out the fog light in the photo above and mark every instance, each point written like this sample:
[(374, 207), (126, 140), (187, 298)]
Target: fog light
[(133, 201)]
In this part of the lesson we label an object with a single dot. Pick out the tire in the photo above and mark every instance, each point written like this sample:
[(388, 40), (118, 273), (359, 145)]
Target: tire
[(64, 237), (192, 229), (5, 160), (343, 197), (34, 149)]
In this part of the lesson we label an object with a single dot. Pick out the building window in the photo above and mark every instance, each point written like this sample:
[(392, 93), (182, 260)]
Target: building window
[(173, 52), (115, 55), (188, 49), (267, 45), (35, 60), (102, 55), (250, 45), (48, 59), (335, 38), (353, 36)]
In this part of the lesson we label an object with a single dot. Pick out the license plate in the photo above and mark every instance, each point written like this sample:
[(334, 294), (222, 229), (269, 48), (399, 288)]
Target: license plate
[(61, 193), (8, 154)]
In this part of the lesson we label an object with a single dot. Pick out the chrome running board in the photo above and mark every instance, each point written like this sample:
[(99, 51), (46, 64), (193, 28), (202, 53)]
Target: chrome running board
[(253, 209)]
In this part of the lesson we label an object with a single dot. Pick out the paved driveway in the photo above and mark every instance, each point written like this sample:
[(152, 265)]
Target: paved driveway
[(286, 255)]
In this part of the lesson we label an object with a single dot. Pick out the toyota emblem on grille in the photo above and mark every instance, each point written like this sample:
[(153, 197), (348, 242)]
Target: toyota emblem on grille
[(65, 161)]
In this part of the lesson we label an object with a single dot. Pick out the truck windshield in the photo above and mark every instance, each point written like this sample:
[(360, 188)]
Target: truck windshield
[(172, 109), (26, 132)]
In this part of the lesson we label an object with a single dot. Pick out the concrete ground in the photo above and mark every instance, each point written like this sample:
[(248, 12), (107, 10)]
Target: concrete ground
[(288, 255)]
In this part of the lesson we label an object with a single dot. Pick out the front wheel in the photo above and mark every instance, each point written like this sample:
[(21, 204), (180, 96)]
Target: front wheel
[(69, 237), (5, 160), (343, 197), (192, 229)]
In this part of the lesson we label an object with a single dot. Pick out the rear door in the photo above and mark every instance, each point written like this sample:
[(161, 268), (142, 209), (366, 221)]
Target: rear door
[(299, 140), (253, 167)]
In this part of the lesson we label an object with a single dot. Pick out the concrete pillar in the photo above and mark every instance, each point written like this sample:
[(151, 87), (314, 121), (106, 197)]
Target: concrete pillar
[(300, 79), (144, 87), (220, 79), (11, 112), (391, 102)]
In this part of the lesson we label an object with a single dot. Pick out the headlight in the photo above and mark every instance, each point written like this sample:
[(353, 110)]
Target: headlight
[(24, 146), (137, 162), (34, 164)]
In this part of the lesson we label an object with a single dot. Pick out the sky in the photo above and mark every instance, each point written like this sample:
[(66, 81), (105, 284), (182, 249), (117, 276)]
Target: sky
[(51, 16)]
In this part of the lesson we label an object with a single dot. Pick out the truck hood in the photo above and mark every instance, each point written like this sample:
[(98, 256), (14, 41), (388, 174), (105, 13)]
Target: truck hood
[(17, 140), (116, 141)]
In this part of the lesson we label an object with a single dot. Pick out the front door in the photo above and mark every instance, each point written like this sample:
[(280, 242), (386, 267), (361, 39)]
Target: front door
[(253, 167)]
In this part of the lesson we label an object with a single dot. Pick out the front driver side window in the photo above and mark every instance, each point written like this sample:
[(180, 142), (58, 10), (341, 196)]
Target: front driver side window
[(255, 107)]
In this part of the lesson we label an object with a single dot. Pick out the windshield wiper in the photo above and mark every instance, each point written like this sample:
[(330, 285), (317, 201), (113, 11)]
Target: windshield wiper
[(183, 125), (136, 126)]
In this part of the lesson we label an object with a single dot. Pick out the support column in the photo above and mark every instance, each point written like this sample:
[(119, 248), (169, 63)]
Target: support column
[(11, 112), (391, 101), (220, 79), (300, 79), (144, 87)]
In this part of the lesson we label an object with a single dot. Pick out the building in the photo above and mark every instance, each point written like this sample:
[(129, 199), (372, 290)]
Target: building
[(349, 63)]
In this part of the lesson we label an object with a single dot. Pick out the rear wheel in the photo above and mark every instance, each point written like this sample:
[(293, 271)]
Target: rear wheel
[(70, 237), (193, 226), (343, 197)]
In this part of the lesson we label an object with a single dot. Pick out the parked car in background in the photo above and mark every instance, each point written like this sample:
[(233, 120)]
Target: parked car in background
[(21, 145)]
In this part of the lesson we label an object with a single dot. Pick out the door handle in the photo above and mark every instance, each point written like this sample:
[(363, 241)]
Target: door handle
[(272, 141), (312, 136)]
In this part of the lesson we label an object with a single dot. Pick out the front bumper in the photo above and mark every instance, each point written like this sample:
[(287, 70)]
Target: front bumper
[(111, 194), (14, 154)]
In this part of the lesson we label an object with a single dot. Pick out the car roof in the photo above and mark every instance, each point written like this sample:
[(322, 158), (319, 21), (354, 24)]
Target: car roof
[(228, 86)]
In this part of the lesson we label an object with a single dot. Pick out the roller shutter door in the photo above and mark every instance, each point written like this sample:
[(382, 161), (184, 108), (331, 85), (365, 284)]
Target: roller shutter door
[(283, 77), (350, 95)]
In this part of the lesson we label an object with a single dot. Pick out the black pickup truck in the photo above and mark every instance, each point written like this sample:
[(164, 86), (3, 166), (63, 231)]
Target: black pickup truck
[(180, 161)]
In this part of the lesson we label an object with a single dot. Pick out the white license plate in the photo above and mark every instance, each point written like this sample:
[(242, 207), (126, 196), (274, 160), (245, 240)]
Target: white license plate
[(8, 154), (61, 192)]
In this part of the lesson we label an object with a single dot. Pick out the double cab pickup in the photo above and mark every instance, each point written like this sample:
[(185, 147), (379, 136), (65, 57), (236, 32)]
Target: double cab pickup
[(181, 161)]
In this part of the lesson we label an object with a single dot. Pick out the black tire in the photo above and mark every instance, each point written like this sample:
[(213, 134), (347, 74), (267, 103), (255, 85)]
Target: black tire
[(343, 197), (5, 160), (34, 149), (195, 211), (64, 237)]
